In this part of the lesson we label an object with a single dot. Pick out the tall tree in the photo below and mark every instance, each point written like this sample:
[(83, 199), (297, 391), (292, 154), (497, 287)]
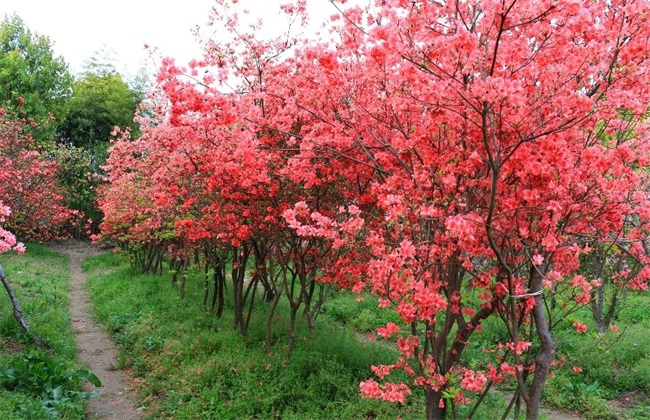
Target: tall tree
[(101, 100), (501, 142), (31, 74)]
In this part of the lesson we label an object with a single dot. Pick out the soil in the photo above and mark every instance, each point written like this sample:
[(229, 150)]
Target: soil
[(95, 347)]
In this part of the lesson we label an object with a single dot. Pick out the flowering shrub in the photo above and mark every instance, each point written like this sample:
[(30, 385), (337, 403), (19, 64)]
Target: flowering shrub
[(28, 186), (455, 159)]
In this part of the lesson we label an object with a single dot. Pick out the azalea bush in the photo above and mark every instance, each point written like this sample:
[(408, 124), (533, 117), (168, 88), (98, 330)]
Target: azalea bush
[(28, 185), (8, 240), (459, 160)]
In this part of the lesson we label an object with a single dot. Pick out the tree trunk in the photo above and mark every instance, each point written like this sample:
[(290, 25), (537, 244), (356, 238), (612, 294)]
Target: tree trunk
[(432, 402), (546, 350), (269, 321), (597, 306), (218, 281), (598, 295), (18, 312), (206, 285), (240, 293), (292, 330), (181, 289), (221, 290)]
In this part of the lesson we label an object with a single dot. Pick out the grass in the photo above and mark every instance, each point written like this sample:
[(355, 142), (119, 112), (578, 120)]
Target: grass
[(33, 383), (364, 315), (615, 378), (187, 364)]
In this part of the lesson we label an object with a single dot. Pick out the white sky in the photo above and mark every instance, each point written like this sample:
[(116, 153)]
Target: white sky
[(78, 28)]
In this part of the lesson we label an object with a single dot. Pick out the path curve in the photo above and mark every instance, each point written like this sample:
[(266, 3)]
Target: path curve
[(95, 348)]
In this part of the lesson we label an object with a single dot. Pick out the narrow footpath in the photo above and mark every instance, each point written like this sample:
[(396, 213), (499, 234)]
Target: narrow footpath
[(95, 348)]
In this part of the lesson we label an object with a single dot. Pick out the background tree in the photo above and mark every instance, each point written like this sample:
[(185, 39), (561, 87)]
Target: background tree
[(29, 70), (101, 100), (28, 185)]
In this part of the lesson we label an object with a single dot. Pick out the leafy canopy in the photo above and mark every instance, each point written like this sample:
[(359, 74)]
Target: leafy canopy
[(101, 100), (31, 74)]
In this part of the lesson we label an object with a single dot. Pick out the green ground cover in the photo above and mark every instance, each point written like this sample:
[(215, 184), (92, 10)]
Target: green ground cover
[(188, 364), (37, 384), (185, 363)]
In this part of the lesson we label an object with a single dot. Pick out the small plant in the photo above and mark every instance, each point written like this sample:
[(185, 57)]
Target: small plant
[(366, 321), (572, 392), (54, 386)]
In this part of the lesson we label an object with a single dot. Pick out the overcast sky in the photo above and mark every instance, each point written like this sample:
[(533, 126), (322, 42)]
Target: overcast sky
[(78, 28)]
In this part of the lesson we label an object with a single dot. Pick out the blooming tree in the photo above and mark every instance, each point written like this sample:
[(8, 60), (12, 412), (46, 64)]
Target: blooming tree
[(209, 176), (28, 185), (458, 159), (504, 138)]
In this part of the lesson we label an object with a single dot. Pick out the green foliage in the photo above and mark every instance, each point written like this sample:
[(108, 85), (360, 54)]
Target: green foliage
[(34, 384), (7, 405), (40, 279), (188, 364), (635, 310), (77, 177), (53, 387), (100, 102), (572, 393), (613, 365), (363, 316), (29, 70), (622, 362)]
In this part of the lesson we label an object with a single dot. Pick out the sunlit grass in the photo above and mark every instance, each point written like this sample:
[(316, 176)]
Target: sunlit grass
[(186, 363)]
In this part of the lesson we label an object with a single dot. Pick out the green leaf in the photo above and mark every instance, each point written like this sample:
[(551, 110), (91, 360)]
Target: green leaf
[(57, 393), (89, 376)]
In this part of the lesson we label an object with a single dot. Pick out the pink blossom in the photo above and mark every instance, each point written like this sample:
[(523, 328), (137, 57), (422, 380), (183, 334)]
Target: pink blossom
[(392, 392), (388, 330), (473, 381), (520, 347), (580, 327), (370, 389)]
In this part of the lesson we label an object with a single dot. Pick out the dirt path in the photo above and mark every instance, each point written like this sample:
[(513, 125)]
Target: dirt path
[(95, 347)]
